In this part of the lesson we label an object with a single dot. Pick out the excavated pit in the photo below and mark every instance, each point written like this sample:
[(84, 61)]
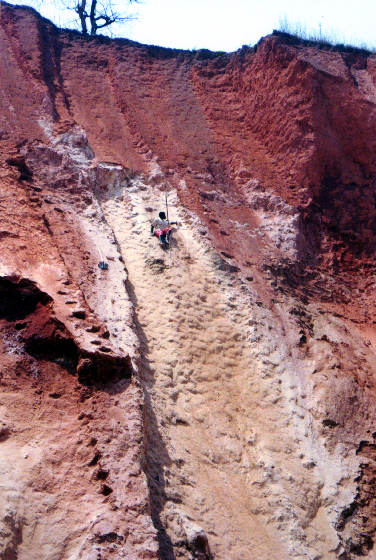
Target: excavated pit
[(215, 400)]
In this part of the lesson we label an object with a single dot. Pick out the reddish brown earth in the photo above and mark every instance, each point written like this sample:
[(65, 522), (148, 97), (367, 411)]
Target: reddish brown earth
[(218, 400)]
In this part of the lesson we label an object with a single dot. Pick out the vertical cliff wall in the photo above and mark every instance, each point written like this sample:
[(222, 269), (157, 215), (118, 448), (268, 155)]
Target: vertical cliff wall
[(215, 400)]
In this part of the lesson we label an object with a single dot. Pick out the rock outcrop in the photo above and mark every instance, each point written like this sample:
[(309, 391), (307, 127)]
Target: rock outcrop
[(216, 400)]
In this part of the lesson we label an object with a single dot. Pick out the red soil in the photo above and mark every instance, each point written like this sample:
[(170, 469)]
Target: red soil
[(297, 121), (229, 131)]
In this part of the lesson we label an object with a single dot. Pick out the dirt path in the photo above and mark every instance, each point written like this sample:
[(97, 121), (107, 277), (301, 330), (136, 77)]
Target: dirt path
[(220, 428)]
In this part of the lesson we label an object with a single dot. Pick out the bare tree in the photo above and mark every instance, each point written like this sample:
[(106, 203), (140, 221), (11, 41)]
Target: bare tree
[(90, 15), (99, 14)]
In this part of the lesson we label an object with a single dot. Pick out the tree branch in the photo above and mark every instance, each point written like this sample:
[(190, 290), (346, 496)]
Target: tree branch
[(81, 11), (99, 13), (93, 22)]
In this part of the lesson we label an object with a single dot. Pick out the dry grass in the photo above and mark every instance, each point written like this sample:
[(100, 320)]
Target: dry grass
[(324, 38)]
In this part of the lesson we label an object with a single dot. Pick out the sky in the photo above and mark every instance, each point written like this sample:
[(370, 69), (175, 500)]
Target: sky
[(227, 25)]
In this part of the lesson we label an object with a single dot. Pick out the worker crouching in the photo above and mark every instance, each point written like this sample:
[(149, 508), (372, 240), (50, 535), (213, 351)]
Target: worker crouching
[(161, 227)]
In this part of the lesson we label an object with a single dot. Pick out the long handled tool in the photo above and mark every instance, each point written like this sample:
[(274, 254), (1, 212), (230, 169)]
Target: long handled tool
[(102, 264), (169, 245)]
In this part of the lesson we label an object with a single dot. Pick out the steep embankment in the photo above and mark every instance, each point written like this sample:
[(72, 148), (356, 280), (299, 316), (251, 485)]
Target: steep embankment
[(224, 447), (70, 414), (216, 399)]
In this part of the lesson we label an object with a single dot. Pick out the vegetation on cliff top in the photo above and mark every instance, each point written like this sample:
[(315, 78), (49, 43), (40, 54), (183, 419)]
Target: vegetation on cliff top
[(322, 39)]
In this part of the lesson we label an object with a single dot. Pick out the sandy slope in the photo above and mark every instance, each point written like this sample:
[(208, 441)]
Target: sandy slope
[(228, 440)]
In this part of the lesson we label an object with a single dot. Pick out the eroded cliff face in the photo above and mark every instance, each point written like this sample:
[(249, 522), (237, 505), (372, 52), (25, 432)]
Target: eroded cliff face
[(216, 400)]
